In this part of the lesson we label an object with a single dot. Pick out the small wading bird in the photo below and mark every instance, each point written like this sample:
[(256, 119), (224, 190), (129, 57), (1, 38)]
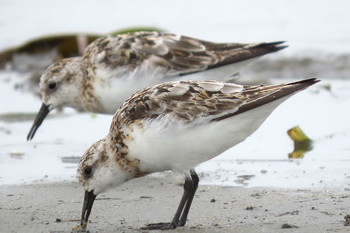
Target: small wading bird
[(114, 67), (176, 126)]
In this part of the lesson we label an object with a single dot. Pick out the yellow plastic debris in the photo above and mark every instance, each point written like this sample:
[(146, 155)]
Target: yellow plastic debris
[(302, 143)]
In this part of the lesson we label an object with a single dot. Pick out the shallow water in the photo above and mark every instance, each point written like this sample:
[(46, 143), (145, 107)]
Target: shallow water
[(316, 30)]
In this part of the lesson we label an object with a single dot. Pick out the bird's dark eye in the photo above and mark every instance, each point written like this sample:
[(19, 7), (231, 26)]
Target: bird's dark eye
[(52, 86), (88, 171)]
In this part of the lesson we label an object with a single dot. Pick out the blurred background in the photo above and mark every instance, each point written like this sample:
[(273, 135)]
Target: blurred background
[(318, 36), (306, 25)]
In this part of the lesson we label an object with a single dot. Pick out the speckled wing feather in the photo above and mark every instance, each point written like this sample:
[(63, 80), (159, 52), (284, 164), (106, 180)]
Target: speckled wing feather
[(188, 101), (173, 54)]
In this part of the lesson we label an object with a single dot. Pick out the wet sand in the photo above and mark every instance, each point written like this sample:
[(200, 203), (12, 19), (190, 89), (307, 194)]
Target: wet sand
[(56, 207)]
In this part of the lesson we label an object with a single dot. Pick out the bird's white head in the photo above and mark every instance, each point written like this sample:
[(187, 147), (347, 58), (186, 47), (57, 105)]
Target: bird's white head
[(60, 84), (100, 169)]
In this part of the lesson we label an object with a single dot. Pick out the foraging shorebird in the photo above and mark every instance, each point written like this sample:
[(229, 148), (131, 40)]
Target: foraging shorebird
[(176, 126), (114, 67)]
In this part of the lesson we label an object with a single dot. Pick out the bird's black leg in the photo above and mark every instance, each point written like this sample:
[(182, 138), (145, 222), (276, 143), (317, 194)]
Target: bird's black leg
[(195, 181), (190, 187)]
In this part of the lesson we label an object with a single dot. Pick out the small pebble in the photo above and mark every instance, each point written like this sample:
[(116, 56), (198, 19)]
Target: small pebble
[(288, 226)]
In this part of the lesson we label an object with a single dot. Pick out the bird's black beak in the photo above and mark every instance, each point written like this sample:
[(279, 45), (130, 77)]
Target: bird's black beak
[(89, 199), (44, 110)]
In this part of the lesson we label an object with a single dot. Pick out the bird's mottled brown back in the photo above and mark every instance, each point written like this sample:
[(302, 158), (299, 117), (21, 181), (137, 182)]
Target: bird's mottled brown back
[(174, 54), (188, 101)]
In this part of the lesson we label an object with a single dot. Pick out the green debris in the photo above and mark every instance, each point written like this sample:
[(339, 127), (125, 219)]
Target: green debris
[(136, 29), (302, 143), (93, 115), (66, 45)]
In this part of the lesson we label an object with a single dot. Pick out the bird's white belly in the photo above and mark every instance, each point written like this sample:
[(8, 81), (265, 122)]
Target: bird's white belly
[(161, 145), (119, 85)]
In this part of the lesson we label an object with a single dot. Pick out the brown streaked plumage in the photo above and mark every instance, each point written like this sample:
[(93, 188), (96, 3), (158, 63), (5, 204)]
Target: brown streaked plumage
[(176, 126), (114, 67), (188, 100), (172, 53)]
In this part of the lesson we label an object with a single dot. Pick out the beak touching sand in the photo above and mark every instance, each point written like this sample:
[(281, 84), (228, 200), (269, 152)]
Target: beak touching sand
[(44, 110), (89, 199)]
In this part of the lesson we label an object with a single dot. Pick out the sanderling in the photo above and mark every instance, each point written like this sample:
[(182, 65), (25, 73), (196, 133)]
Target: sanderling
[(176, 126), (114, 67)]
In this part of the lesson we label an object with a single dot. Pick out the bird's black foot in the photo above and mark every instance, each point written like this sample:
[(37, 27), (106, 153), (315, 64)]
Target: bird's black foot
[(159, 226)]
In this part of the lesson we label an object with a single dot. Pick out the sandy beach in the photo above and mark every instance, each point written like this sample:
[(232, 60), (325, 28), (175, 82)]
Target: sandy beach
[(55, 207)]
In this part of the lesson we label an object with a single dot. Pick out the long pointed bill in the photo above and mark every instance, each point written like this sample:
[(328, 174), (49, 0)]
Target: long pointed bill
[(89, 199), (44, 110)]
